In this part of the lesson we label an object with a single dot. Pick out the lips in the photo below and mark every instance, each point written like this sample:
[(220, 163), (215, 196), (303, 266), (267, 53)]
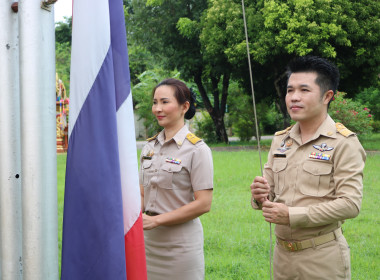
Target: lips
[(295, 107), (160, 117)]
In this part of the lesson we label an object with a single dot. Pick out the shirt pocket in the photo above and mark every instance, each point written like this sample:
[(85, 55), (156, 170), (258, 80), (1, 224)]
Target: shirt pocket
[(315, 178), (147, 172), (279, 166), (167, 173)]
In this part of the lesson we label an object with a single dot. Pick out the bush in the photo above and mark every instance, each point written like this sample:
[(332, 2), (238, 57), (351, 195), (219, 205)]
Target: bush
[(271, 120), (371, 98), (354, 115), (205, 127)]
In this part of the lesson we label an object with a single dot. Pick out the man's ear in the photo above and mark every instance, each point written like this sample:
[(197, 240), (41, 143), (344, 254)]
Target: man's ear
[(328, 96)]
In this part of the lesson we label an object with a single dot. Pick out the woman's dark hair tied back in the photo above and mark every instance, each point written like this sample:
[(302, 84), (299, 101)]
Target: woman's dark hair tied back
[(193, 100)]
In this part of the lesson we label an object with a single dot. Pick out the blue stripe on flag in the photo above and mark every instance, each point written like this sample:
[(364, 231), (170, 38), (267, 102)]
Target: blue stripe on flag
[(93, 234), (120, 52)]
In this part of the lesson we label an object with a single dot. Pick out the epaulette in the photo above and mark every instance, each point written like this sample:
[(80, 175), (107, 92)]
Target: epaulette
[(152, 138), (192, 138), (283, 131), (343, 130)]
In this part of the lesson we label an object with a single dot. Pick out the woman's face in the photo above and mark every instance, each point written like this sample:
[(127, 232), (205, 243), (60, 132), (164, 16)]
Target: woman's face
[(168, 111)]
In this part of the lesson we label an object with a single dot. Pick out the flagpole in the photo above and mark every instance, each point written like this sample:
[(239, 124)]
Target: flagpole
[(38, 141), (257, 128), (10, 147)]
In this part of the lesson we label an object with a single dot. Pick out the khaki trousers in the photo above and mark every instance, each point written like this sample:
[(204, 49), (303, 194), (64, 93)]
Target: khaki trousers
[(327, 261)]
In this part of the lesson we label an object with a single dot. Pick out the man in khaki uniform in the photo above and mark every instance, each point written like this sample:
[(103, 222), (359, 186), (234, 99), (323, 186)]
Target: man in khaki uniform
[(313, 179)]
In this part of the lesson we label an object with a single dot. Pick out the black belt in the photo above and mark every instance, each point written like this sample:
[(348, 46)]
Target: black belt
[(149, 213)]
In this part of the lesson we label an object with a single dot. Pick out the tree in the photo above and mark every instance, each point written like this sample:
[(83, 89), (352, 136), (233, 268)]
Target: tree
[(63, 30), (344, 31), (63, 50), (170, 29)]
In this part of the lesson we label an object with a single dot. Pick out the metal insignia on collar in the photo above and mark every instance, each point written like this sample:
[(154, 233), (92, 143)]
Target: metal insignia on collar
[(323, 147), (289, 142), (283, 148)]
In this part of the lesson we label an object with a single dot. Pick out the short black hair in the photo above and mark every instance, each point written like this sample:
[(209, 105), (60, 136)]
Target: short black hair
[(327, 72)]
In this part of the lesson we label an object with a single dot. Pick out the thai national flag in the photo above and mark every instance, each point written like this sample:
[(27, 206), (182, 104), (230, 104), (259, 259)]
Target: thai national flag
[(102, 225)]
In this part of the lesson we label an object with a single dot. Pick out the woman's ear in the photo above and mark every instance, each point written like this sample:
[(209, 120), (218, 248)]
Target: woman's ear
[(185, 107)]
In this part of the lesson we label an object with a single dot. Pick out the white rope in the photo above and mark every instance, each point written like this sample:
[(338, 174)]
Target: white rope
[(257, 130)]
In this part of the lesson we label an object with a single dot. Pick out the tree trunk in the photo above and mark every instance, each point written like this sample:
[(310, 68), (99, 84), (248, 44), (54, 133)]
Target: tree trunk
[(221, 132), (216, 112)]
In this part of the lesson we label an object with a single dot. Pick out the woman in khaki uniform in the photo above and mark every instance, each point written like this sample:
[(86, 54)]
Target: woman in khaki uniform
[(176, 181)]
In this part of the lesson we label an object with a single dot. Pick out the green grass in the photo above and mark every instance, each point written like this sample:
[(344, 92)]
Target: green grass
[(237, 237), (371, 142)]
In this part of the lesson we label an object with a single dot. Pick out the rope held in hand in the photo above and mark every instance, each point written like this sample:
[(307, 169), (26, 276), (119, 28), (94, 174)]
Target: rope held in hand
[(257, 129)]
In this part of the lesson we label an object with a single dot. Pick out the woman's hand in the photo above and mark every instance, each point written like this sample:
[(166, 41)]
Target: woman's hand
[(149, 222)]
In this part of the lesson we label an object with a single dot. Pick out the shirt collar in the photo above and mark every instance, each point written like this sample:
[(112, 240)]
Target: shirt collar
[(178, 138), (327, 128)]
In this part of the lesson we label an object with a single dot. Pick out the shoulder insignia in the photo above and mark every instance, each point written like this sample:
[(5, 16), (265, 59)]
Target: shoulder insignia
[(152, 138), (283, 131), (343, 130), (192, 138)]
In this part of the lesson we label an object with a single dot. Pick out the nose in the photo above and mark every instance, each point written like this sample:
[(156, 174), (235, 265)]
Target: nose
[(156, 108), (295, 96)]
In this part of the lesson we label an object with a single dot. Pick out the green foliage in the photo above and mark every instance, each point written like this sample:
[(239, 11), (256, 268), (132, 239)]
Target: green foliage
[(371, 98), (354, 115), (270, 118), (140, 60), (63, 31), (242, 118), (63, 51), (205, 127), (343, 31), (142, 97), (241, 115), (62, 63), (188, 28)]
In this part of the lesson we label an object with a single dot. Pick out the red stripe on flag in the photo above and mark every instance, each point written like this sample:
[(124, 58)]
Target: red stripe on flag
[(135, 252)]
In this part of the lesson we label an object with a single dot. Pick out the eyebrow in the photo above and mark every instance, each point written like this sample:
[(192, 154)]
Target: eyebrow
[(161, 98), (302, 85)]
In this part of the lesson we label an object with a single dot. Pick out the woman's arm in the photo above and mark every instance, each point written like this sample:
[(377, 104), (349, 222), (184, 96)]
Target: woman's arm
[(201, 205), (142, 198)]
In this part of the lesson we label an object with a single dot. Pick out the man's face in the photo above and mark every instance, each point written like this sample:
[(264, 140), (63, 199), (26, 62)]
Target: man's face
[(303, 98)]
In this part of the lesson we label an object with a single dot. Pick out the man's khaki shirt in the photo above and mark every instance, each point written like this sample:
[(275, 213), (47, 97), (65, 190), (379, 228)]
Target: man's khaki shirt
[(321, 181), (172, 171)]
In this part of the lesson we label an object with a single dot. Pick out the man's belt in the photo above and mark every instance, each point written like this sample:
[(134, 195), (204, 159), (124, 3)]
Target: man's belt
[(309, 243), (149, 213)]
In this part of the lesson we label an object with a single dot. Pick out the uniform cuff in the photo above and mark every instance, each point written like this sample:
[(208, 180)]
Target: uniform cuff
[(298, 217)]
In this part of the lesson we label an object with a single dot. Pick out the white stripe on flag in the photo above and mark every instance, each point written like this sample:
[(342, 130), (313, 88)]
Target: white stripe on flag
[(128, 164), (89, 48)]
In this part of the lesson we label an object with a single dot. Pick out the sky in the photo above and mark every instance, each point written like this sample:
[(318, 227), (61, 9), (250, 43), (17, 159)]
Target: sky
[(62, 8)]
